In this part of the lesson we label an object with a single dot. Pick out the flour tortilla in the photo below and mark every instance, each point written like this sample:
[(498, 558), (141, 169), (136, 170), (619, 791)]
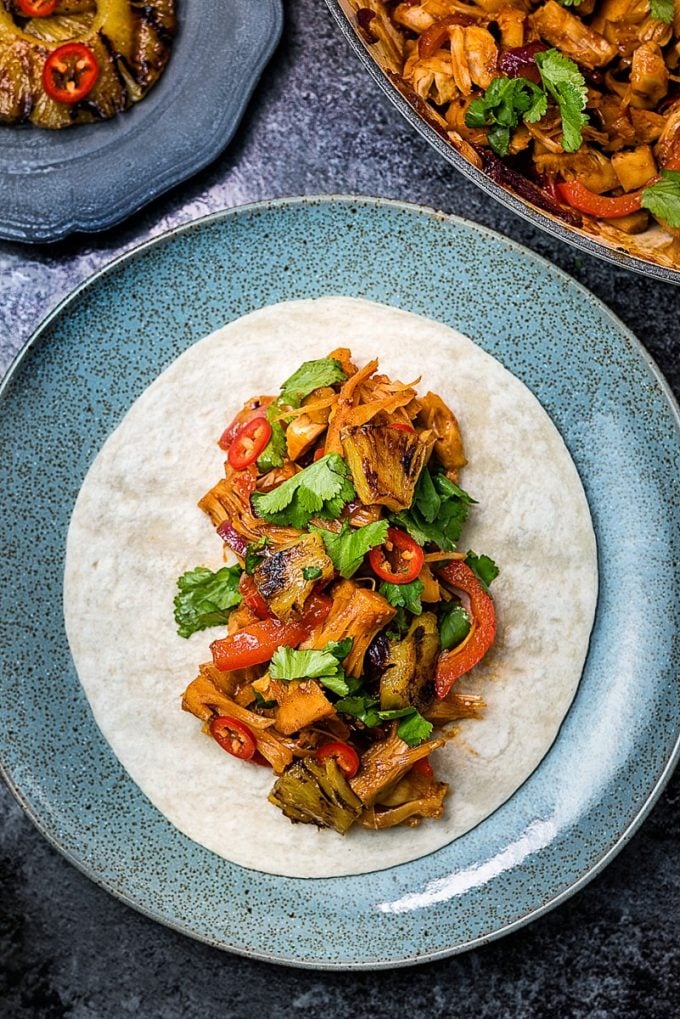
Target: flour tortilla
[(136, 528)]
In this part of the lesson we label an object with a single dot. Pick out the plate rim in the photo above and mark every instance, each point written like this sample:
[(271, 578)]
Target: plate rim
[(635, 345), (20, 230), (507, 198)]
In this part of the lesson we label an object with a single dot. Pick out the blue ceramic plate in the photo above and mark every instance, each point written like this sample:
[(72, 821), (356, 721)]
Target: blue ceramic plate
[(97, 352), (92, 176)]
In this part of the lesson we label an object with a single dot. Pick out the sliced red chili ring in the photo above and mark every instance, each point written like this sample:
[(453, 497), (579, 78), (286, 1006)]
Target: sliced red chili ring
[(249, 443), (399, 560), (70, 72), (242, 418), (346, 756), (234, 737), (36, 8)]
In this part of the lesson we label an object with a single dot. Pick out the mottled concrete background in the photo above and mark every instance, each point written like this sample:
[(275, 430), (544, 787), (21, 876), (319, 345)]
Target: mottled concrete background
[(70, 951)]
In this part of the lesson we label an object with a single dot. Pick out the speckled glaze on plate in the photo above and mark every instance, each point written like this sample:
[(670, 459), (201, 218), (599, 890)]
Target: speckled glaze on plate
[(98, 351), (626, 251), (94, 175)]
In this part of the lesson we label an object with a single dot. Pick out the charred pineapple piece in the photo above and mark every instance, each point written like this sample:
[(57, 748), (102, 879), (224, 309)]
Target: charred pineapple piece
[(286, 578), (410, 813), (448, 447), (383, 764), (305, 429), (411, 665), (316, 793), (130, 40), (414, 797), (300, 703), (385, 463), (455, 706), (358, 613)]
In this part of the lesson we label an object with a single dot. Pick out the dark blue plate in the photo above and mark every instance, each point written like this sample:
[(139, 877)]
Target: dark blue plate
[(92, 176), (97, 352)]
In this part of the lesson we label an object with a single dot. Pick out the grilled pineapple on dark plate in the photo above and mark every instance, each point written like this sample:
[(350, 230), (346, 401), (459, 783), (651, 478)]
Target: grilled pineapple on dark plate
[(84, 62)]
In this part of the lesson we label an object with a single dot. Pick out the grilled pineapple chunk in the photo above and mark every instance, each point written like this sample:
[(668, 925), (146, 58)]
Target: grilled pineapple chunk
[(286, 578), (358, 613), (316, 793), (131, 42), (411, 663), (384, 763), (385, 463)]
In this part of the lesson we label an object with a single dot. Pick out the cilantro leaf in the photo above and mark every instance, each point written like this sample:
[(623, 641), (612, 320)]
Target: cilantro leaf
[(274, 453), (262, 702), (320, 490), (399, 625), (438, 513), (311, 572), (663, 198), (287, 663), (426, 498), (340, 648), (205, 598), (505, 102), (454, 625), (323, 665), (310, 376), (403, 595), (414, 729), (483, 566), (662, 10), (565, 83), (348, 548), (359, 707)]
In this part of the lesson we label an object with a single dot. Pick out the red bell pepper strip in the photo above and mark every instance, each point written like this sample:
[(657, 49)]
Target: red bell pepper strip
[(434, 37), (461, 659), (255, 644), (579, 197), (252, 597)]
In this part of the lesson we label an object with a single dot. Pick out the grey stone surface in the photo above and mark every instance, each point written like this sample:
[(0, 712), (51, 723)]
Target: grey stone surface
[(70, 951)]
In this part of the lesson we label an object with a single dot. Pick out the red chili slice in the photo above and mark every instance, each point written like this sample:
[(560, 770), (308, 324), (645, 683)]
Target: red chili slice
[(249, 443), (346, 757), (242, 418), (36, 8), (70, 72), (399, 560), (401, 426), (423, 767), (234, 737)]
